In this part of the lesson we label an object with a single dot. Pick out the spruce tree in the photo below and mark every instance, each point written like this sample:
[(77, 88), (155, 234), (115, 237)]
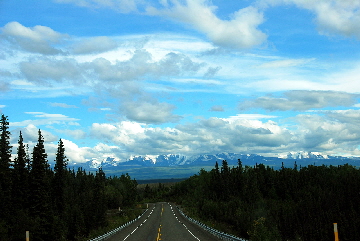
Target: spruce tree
[(5, 172), (59, 177), (20, 176), (5, 147), (40, 191), (20, 219)]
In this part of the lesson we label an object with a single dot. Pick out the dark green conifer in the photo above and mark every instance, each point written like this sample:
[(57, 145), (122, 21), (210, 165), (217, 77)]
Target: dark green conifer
[(59, 177), (20, 176), (40, 192), (5, 172)]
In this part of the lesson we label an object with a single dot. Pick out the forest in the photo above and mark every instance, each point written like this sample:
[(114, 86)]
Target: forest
[(260, 203), (54, 203)]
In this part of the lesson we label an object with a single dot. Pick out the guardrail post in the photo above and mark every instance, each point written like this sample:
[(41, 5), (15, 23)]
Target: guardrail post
[(336, 232), (27, 236)]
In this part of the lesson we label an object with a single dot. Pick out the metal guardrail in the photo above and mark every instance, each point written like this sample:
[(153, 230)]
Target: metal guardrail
[(114, 231), (217, 233)]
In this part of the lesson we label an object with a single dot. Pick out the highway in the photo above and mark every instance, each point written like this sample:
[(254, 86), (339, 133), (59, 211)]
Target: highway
[(162, 221)]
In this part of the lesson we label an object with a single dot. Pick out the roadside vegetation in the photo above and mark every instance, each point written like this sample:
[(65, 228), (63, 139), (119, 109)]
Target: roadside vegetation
[(260, 203), (57, 203)]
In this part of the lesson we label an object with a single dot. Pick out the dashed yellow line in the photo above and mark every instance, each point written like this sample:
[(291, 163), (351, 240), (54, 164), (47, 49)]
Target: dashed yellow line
[(159, 234), (159, 230)]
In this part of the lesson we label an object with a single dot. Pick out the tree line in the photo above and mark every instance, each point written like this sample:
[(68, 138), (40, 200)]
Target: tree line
[(53, 203), (260, 203)]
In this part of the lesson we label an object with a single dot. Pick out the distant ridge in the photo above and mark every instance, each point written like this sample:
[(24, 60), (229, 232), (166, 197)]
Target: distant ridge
[(170, 160)]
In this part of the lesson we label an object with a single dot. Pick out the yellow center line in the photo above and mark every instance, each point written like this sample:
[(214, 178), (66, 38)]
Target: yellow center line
[(159, 234), (159, 230)]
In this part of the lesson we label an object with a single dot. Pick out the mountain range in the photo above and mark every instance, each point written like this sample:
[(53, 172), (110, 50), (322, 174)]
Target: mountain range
[(176, 165)]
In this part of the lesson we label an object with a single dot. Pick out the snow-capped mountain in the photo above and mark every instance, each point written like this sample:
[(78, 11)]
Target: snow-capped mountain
[(166, 166), (170, 160)]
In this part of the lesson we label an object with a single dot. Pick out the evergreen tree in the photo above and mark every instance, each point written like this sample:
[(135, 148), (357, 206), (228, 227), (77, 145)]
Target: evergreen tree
[(5, 172), (5, 147), (20, 218), (40, 192), (59, 178), (20, 176)]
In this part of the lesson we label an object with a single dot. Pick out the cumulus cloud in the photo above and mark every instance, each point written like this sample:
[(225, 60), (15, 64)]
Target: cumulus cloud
[(141, 64), (46, 70), (205, 136), (241, 31), (149, 110), (94, 45), (125, 132), (300, 100), (336, 132), (30, 134), (73, 152), (38, 39), (329, 132), (335, 16), (332, 16)]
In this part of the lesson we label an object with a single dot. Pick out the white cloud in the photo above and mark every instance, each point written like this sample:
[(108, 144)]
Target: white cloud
[(62, 105), (285, 63), (74, 153), (209, 135), (301, 100), (336, 132), (330, 133), (149, 111), (38, 39), (21, 82), (335, 16), (238, 32), (332, 16), (250, 117), (76, 134), (124, 6), (46, 71), (30, 134), (122, 132), (219, 108), (94, 45), (46, 119)]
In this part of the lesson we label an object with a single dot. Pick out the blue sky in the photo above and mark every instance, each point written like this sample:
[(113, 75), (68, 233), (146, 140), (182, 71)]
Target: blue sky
[(121, 78)]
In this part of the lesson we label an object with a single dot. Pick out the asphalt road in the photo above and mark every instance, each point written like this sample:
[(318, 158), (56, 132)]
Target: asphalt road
[(162, 221)]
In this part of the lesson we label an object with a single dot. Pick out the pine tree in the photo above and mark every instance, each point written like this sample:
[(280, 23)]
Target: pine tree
[(5, 147), (20, 176), (40, 191), (59, 177), (5, 172), (39, 177), (20, 219)]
